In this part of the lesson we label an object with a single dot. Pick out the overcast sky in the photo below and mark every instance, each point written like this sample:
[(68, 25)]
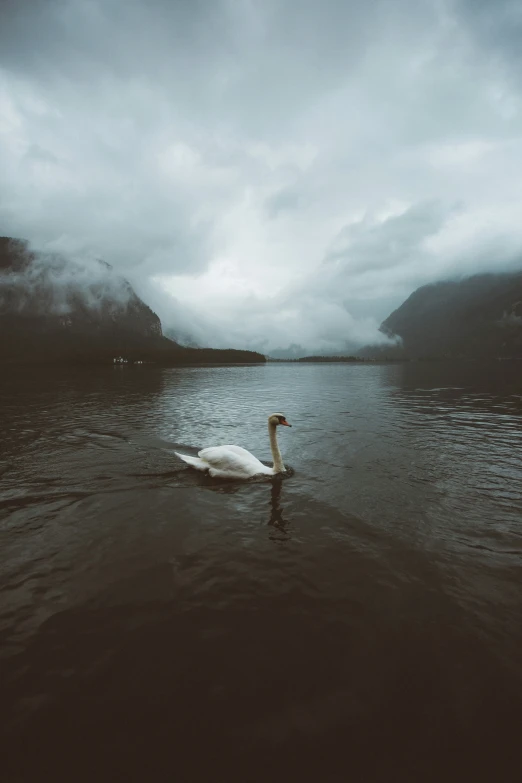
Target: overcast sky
[(288, 170)]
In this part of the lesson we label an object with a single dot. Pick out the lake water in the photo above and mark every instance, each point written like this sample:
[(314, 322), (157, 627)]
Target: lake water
[(359, 620)]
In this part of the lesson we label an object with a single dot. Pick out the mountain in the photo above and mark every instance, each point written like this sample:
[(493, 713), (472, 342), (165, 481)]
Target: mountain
[(54, 309), (296, 351), (182, 338), (476, 317)]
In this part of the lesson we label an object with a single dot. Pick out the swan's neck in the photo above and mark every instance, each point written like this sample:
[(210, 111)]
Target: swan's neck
[(276, 454)]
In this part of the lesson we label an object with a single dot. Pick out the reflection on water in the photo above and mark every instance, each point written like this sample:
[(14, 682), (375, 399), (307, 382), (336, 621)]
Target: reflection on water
[(359, 616), (281, 531)]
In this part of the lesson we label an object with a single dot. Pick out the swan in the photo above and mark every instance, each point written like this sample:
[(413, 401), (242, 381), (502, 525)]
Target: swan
[(237, 463)]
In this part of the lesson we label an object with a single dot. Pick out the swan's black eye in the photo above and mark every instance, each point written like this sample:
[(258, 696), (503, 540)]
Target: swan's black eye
[(282, 418)]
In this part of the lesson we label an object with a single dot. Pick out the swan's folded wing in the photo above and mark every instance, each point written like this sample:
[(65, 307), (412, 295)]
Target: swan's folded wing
[(236, 449), (233, 460)]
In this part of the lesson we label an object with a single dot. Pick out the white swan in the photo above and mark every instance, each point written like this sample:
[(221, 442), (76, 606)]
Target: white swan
[(235, 462)]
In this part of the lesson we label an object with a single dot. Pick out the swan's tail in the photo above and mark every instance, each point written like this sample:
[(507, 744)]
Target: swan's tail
[(194, 462)]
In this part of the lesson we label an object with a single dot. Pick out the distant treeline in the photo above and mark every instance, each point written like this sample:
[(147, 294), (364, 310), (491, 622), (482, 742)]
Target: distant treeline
[(36, 341), (215, 356), (320, 359), (330, 359), (50, 315), (343, 359)]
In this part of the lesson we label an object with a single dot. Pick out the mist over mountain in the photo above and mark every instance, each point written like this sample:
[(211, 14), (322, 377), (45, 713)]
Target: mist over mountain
[(295, 351), (266, 174), (181, 337), (54, 308), (73, 293), (475, 317)]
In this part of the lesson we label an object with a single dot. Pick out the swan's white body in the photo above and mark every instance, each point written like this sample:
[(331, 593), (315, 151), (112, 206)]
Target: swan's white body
[(227, 462), (238, 463)]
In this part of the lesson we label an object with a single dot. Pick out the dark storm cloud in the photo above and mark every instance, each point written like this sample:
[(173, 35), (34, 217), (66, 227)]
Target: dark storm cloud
[(497, 26), (287, 170), (286, 199), (368, 247)]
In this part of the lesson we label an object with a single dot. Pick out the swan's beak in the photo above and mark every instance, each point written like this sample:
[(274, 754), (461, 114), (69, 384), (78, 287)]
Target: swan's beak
[(285, 423)]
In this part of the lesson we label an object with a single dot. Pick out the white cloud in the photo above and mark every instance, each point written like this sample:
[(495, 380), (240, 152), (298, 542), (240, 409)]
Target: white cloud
[(288, 171)]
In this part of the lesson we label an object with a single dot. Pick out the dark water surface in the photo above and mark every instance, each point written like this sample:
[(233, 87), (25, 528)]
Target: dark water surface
[(359, 620)]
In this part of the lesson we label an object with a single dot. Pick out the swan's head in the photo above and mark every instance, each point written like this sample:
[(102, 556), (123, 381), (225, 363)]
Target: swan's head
[(278, 418)]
